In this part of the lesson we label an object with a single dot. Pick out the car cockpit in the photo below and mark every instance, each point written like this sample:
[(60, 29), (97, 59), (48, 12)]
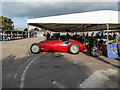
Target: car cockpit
[(64, 39)]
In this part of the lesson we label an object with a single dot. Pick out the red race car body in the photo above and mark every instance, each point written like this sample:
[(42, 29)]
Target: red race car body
[(58, 45), (70, 45)]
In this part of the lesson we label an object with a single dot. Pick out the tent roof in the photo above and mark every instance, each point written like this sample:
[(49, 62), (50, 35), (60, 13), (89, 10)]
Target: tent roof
[(88, 21)]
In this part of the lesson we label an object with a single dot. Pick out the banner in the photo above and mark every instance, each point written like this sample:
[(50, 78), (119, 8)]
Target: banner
[(112, 50)]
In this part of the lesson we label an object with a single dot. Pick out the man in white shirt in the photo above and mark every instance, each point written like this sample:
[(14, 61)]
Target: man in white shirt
[(117, 37)]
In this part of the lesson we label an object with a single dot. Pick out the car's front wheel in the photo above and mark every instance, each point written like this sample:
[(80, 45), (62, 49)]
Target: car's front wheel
[(35, 48), (74, 48)]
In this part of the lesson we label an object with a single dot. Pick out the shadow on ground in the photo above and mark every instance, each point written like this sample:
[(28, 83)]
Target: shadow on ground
[(50, 70), (101, 59), (50, 66)]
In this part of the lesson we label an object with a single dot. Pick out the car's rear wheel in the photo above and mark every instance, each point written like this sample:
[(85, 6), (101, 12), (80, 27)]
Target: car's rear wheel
[(74, 48), (35, 48)]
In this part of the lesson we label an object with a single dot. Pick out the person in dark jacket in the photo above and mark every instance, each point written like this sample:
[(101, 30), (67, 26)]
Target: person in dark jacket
[(48, 35)]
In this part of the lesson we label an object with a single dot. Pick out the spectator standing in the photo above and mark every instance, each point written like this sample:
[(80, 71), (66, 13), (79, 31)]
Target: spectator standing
[(117, 37), (114, 35), (48, 35), (67, 34)]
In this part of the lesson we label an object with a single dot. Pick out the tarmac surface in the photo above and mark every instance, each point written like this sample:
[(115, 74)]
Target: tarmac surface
[(22, 69)]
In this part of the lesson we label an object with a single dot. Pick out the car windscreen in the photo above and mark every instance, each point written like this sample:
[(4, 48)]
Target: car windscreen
[(64, 38), (52, 39)]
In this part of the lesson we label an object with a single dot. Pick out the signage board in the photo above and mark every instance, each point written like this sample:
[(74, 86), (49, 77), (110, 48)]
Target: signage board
[(112, 50)]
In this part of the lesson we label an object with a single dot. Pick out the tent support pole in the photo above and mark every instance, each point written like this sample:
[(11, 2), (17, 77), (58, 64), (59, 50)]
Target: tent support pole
[(11, 34), (17, 35), (107, 32), (28, 30)]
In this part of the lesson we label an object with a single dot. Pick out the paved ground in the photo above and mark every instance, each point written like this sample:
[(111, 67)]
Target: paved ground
[(21, 69)]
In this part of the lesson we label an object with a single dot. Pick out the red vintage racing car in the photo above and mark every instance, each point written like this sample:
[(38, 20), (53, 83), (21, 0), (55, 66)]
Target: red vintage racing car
[(61, 44)]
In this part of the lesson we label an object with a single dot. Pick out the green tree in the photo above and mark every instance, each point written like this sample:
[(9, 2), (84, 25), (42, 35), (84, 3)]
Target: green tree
[(6, 23), (25, 29)]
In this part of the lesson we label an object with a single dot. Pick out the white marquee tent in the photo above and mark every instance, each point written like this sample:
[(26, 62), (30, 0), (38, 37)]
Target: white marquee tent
[(87, 21), (94, 17)]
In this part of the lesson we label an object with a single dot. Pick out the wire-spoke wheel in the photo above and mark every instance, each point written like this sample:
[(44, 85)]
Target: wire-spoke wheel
[(74, 48), (35, 48)]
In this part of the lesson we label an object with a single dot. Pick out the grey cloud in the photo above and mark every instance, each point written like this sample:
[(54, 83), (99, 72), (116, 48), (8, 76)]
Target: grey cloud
[(35, 10)]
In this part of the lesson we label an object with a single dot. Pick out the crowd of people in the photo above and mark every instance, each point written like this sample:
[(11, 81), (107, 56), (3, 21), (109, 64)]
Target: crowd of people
[(82, 38)]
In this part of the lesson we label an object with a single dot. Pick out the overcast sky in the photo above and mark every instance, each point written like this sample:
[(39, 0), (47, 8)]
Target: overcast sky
[(20, 11)]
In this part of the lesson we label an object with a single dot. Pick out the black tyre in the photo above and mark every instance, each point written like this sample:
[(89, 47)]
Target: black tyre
[(35, 48), (74, 48)]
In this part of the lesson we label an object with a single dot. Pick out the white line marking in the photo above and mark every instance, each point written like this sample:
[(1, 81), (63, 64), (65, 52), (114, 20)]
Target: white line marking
[(58, 85), (24, 72), (19, 70), (98, 78)]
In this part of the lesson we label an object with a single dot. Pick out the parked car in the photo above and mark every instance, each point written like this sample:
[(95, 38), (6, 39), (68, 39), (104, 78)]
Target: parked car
[(61, 44), (5, 38)]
